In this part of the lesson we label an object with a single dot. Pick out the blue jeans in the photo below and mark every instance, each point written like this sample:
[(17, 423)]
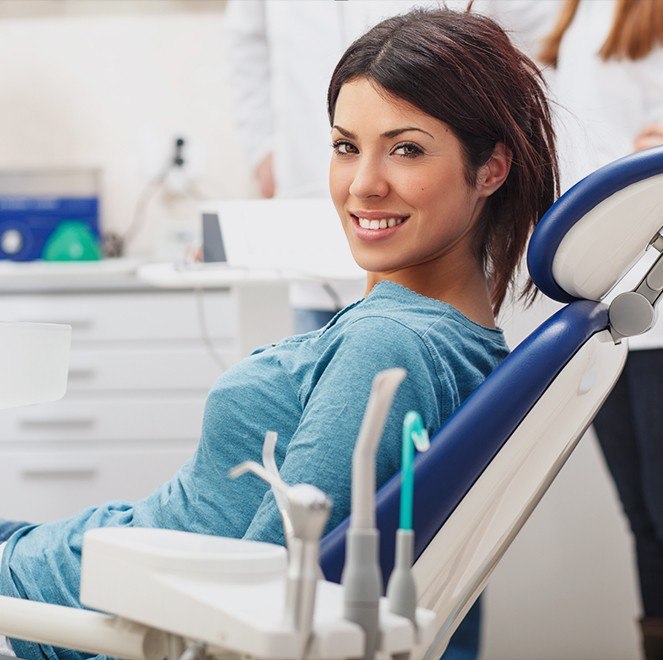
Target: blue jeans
[(8, 527), (630, 432)]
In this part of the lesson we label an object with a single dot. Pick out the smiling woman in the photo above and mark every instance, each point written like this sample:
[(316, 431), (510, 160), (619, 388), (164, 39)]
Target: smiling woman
[(408, 212), (437, 118), (442, 163)]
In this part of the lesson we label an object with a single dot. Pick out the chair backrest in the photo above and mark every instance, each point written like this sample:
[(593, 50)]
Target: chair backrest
[(493, 460)]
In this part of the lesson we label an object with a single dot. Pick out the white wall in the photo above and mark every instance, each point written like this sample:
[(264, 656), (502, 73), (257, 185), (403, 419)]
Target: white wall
[(107, 84)]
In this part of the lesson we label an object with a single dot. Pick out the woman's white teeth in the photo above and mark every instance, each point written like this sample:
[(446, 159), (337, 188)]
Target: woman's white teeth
[(365, 223)]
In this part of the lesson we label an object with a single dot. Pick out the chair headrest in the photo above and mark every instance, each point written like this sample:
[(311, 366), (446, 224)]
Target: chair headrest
[(591, 237)]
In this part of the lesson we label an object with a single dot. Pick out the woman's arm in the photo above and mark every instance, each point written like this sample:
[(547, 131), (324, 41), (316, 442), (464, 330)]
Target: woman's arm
[(320, 452)]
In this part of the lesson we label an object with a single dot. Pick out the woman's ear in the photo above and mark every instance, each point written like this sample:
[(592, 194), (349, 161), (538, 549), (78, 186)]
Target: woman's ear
[(493, 173)]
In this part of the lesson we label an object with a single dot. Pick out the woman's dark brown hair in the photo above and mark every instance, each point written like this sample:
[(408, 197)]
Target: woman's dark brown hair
[(462, 69), (637, 28)]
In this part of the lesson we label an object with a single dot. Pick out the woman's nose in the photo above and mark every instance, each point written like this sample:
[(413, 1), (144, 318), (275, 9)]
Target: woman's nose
[(369, 180)]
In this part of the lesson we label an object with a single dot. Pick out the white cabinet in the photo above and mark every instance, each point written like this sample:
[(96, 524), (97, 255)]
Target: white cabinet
[(142, 361), (42, 485)]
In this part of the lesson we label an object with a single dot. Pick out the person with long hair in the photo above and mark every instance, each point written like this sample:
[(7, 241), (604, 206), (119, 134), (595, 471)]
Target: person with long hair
[(442, 162), (609, 76)]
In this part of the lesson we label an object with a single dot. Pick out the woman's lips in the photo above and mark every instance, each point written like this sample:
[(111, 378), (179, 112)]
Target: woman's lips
[(373, 226)]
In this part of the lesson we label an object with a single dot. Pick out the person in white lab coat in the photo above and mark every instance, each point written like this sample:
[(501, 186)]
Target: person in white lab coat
[(609, 84)]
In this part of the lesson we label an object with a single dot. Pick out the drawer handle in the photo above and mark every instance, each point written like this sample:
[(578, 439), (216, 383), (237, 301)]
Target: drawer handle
[(76, 324), (80, 324), (56, 423), (81, 374), (59, 471)]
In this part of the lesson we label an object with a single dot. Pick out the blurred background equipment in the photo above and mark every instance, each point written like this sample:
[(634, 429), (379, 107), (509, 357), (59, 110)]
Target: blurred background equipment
[(50, 214)]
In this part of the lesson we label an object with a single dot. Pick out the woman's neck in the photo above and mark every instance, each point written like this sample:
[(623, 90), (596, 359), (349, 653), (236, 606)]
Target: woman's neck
[(460, 283)]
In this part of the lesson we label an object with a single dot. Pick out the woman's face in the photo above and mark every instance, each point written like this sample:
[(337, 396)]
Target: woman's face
[(398, 182)]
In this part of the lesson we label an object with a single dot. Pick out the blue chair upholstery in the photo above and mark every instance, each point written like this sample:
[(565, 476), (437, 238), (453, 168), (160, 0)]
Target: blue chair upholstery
[(573, 206)]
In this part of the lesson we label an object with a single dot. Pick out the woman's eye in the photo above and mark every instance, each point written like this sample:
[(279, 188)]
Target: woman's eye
[(343, 148), (408, 150)]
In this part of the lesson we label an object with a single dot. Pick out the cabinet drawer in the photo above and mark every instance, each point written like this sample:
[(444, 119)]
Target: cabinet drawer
[(146, 369), (121, 316), (105, 420), (44, 486)]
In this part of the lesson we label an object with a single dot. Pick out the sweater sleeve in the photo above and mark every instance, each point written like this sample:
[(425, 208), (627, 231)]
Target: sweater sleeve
[(320, 452)]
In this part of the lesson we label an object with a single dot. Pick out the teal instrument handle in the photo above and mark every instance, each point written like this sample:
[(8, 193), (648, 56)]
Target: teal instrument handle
[(414, 436)]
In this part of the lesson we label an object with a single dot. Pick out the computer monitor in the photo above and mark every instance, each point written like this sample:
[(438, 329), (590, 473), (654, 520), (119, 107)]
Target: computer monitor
[(296, 236)]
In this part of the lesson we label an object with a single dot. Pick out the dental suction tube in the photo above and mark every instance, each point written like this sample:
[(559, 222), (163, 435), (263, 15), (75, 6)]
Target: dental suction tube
[(362, 580), (383, 390)]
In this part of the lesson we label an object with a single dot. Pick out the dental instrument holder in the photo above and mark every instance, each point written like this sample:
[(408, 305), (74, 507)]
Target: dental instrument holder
[(308, 511), (402, 590), (226, 595), (362, 579)]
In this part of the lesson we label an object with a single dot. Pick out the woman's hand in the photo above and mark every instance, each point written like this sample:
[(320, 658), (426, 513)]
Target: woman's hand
[(649, 136)]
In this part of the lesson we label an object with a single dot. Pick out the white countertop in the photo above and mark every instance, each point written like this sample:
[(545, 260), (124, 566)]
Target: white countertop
[(134, 273), (122, 274), (195, 275), (68, 276)]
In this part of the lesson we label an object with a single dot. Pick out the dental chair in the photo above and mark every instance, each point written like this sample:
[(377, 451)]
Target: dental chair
[(491, 463)]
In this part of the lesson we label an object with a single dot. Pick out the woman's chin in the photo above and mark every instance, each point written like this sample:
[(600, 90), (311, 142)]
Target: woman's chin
[(373, 265)]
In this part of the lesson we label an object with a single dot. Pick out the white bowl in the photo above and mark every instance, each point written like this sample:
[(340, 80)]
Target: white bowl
[(35, 361)]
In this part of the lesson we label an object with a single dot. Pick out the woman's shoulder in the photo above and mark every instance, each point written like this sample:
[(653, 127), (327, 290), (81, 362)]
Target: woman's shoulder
[(401, 325), (395, 306)]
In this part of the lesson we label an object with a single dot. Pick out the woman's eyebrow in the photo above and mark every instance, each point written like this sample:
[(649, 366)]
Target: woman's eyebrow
[(347, 134), (389, 134), (397, 131)]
